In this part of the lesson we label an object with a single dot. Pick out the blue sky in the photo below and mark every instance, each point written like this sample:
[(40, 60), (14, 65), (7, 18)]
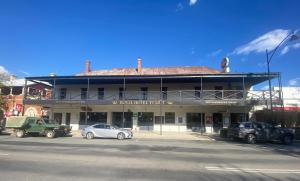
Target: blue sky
[(39, 37)]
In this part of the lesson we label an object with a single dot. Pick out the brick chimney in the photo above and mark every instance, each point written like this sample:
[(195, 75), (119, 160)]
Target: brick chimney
[(139, 68), (87, 66)]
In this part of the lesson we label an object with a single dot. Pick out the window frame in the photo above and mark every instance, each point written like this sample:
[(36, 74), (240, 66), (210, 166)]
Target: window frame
[(172, 118), (100, 93)]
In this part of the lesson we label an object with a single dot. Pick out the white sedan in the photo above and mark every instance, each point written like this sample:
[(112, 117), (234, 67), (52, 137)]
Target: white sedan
[(102, 130)]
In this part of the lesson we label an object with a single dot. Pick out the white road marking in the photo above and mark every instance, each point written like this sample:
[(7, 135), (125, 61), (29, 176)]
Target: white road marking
[(3, 154), (251, 170)]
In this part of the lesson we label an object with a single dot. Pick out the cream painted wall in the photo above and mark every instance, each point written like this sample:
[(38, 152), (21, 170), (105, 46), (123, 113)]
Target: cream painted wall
[(180, 111)]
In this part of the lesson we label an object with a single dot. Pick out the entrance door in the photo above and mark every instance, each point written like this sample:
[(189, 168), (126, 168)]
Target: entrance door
[(195, 121), (145, 120), (217, 122), (58, 118), (68, 118), (117, 119)]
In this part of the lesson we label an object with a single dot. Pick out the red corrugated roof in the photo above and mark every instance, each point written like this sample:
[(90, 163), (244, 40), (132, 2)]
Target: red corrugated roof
[(155, 71)]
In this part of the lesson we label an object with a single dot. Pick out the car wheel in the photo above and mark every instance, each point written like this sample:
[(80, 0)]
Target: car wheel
[(251, 139), (50, 134), (121, 136), (287, 140), (89, 135), (20, 133)]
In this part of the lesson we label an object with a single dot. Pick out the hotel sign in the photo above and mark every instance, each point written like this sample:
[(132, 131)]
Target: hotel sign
[(220, 102), (141, 102), (69, 102)]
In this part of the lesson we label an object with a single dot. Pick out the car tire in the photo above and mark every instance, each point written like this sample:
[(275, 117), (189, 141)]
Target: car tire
[(89, 136), (287, 140), (50, 134), (121, 136), (251, 139), (20, 133)]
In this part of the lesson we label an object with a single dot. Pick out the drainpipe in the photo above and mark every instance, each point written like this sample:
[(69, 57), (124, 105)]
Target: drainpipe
[(160, 105), (24, 97)]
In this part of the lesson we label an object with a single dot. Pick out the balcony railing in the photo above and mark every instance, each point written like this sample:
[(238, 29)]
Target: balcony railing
[(204, 97)]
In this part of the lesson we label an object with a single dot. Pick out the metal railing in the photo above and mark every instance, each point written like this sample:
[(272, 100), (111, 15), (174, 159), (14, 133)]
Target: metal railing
[(172, 97)]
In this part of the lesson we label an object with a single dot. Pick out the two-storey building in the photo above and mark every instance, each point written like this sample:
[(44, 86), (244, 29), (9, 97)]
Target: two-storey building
[(168, 99)]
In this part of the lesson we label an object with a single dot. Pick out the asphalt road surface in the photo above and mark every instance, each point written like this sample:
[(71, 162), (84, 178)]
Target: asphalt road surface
[(38, 158)]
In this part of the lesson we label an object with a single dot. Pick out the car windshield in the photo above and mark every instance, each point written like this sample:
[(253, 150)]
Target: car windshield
[(115, 127), (49, 121)]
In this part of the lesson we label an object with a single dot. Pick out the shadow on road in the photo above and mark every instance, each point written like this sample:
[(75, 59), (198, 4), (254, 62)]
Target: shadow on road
[(276, 147), (4, 134)]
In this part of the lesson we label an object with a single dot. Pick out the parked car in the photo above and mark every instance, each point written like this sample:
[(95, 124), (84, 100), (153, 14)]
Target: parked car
[(23, 125), (1, 129), (102, 130), (258, 131)]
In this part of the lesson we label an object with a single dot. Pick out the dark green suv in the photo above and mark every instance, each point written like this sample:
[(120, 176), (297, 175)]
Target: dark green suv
[(23, 125)]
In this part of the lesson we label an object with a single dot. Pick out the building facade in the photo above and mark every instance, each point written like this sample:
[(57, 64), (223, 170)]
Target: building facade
[(175, 99), (12, 94)]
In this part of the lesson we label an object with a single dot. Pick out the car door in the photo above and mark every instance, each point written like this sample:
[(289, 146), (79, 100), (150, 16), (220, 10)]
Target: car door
[(35, 125), (259, 131), (99, 130), (268, 129), (110, 131)]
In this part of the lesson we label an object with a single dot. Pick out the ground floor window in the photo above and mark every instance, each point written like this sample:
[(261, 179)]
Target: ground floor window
[(145, 120), (238, 117), (158, 121), (169, 117), (117, 119), (195, 121), (92, 118)]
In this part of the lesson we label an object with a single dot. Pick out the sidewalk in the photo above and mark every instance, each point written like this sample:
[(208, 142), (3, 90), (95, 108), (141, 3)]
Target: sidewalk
[(192, 136)]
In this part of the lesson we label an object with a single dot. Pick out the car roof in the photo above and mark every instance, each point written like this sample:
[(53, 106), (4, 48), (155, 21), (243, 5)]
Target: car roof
[(99, 124)]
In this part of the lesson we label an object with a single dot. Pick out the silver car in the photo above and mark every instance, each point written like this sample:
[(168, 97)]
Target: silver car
[(102, 130)]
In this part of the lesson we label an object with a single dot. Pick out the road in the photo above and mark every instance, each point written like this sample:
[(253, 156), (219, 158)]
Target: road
[(38, 158)]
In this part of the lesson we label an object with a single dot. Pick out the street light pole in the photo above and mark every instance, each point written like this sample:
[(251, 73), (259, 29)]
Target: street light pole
[(292, 37), (269, 77)]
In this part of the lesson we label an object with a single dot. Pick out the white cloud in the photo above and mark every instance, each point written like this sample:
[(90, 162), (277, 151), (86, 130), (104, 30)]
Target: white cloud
[(215, 53), (262, 64), (193, 51), (24, 72), (294, 82), (259, 45), (4, 74), (193, 2), (179, 7), (289, 47), (3, 70), (243, 59)]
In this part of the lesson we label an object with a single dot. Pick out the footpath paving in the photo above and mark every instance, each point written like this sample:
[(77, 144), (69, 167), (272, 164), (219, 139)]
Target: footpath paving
[(192, 136)]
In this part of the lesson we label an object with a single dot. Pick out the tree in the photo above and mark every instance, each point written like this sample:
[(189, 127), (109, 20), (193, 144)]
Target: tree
[(4, 76)]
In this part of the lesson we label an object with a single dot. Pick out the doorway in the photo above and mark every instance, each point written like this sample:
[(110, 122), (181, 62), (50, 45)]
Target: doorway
[(195, 121), (145, 120), (58, 118), (117, 118), (217, 122)]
